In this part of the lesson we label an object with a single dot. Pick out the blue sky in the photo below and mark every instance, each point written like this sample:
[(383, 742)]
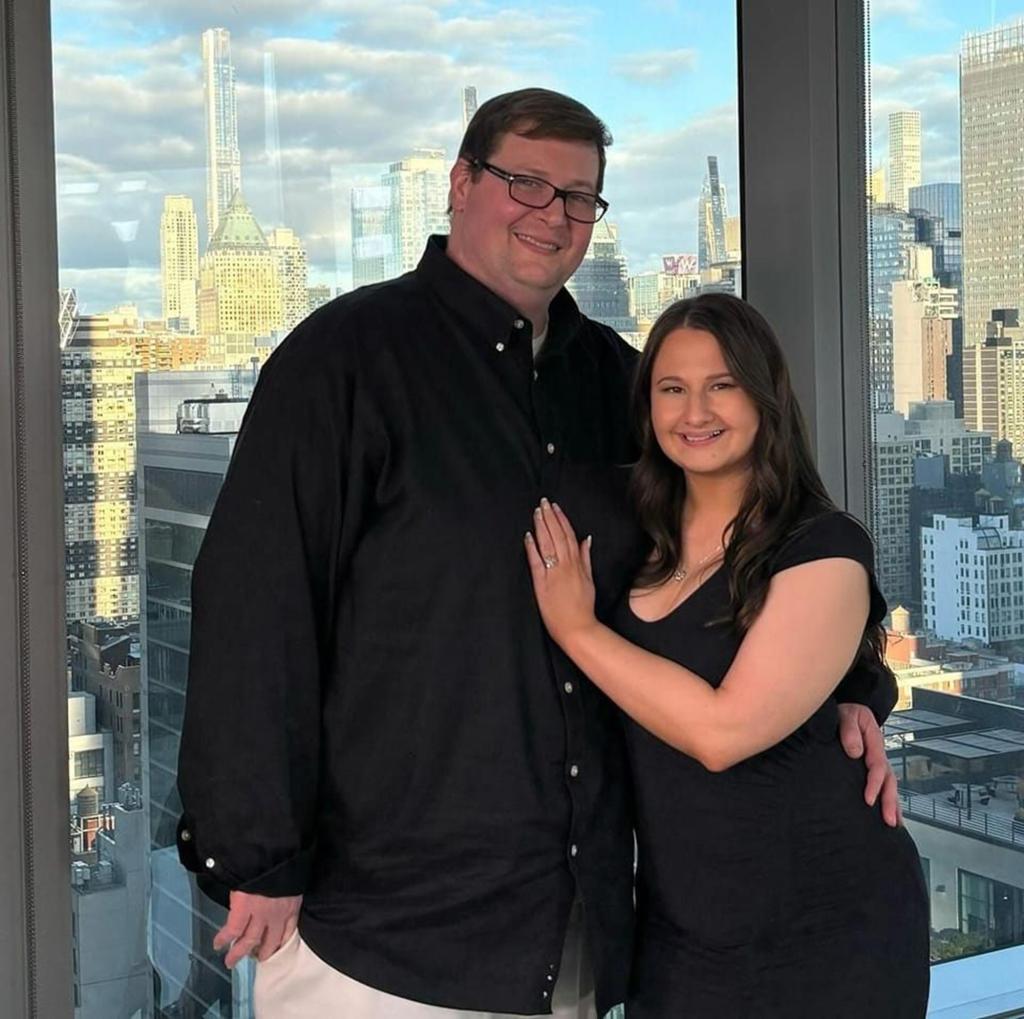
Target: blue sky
[(361, 82)]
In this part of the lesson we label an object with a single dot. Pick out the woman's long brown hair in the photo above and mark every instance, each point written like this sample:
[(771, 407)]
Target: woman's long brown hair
[(785, 487)]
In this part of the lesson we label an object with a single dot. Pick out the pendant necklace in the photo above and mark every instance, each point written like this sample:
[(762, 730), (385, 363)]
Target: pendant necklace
[(680, 573)]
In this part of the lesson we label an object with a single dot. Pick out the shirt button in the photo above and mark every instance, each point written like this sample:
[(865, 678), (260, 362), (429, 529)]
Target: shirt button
[(567, 687), (186, 835), (573, 850), (551, 447), (519, 323), (574, 770), (536, 374), (210, 863), (550, 977)]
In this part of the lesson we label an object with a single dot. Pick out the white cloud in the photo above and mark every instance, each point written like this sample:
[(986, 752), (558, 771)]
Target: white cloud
[(656, 66)]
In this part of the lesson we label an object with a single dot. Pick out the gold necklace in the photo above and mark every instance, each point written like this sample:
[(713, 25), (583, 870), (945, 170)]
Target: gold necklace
[(680, 573)]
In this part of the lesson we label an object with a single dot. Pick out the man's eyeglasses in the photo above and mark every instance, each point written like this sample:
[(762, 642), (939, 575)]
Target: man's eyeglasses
[(539, 194)]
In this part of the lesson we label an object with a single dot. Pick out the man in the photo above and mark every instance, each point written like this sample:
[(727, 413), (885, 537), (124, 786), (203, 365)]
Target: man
[(378, 732)]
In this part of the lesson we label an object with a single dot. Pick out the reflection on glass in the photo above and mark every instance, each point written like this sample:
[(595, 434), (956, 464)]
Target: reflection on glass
[(945, 217)]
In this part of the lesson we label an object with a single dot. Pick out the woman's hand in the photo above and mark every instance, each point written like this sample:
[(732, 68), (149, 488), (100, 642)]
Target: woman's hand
[(562, 577)]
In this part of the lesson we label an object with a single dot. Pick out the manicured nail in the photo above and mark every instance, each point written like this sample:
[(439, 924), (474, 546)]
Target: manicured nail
[(536, 512), (590, 539), (544, 502)]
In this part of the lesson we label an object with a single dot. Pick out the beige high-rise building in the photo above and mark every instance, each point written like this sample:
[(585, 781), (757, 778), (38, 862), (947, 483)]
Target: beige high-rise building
[(293, 274), (922, 337), (904, 156), (223, 159), (239, 287), (992, 168), (994, 380), (179, 263)]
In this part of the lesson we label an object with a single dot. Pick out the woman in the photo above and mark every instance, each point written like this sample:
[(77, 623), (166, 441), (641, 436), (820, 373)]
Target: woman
[(765, 885)]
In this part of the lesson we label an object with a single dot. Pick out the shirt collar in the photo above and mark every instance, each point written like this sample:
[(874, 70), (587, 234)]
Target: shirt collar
[(488, 315)]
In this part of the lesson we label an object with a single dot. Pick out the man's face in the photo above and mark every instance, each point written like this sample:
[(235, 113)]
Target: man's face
[(525, 255)]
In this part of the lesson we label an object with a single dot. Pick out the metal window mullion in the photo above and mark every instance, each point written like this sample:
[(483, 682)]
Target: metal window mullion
[(35, 957)]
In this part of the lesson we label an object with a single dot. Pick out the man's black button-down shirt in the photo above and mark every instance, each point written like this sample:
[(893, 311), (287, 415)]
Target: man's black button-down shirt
[(375, 717)]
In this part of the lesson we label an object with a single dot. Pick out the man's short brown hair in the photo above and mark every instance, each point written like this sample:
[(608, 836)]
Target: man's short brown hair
[(534, 113)]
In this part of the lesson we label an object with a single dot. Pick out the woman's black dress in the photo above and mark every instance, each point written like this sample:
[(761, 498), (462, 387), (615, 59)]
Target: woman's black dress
[(770, 890)]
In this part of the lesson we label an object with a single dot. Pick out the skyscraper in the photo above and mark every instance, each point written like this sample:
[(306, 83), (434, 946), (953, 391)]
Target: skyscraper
[(904, 156), (419, 203), (468, 105), (391, 221), (600, 284), (179, 263), (292, 274), (100, 528), (711, 217), (239, 288), (992, 166), (223, 160)]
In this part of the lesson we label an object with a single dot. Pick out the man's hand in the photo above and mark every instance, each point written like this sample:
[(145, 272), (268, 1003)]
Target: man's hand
[(257, 925), (861, 737)]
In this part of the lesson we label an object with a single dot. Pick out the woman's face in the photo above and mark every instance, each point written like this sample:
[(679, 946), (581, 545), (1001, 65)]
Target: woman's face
[(703, 420)]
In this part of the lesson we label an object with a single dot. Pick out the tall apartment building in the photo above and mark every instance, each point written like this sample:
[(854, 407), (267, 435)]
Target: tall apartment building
[(90, 751), (992, 167), (392, 220), (712, 213), (240, 297), (292, 273), (965, 449), (972, 579), (223, 159), (904, 156), (419, 205), (179, 263), (923, 313), (993, 374), (100, 529)]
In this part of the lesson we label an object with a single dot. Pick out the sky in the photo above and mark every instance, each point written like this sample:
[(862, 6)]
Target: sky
[(360, 83)]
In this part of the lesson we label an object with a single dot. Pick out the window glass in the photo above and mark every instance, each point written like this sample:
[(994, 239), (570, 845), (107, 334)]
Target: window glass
[(945, 188), (220, 175)]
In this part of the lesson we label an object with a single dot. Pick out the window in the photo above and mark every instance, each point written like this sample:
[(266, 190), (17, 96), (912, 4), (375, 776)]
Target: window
[(196, 228), (945, 212), (89, 764)]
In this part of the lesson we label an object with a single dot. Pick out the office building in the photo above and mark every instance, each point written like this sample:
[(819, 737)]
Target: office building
[(600, 284), (993, 373), (992, 167), (923, 313), (240, 295), (469, 104), (181, 473)]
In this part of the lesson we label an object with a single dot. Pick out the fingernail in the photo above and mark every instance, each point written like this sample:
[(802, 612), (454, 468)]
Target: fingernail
[(557, 507), (536, 512), (590, 539), (544, 502)]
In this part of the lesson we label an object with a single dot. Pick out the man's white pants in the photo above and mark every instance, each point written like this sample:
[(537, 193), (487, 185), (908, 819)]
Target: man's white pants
[(295, 983)]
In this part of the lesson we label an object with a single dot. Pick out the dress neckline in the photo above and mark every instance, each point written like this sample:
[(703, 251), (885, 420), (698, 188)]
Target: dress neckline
[(675, 608)]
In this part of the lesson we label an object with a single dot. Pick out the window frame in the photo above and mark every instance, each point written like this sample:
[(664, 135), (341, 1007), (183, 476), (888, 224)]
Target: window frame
[(801, 107)]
